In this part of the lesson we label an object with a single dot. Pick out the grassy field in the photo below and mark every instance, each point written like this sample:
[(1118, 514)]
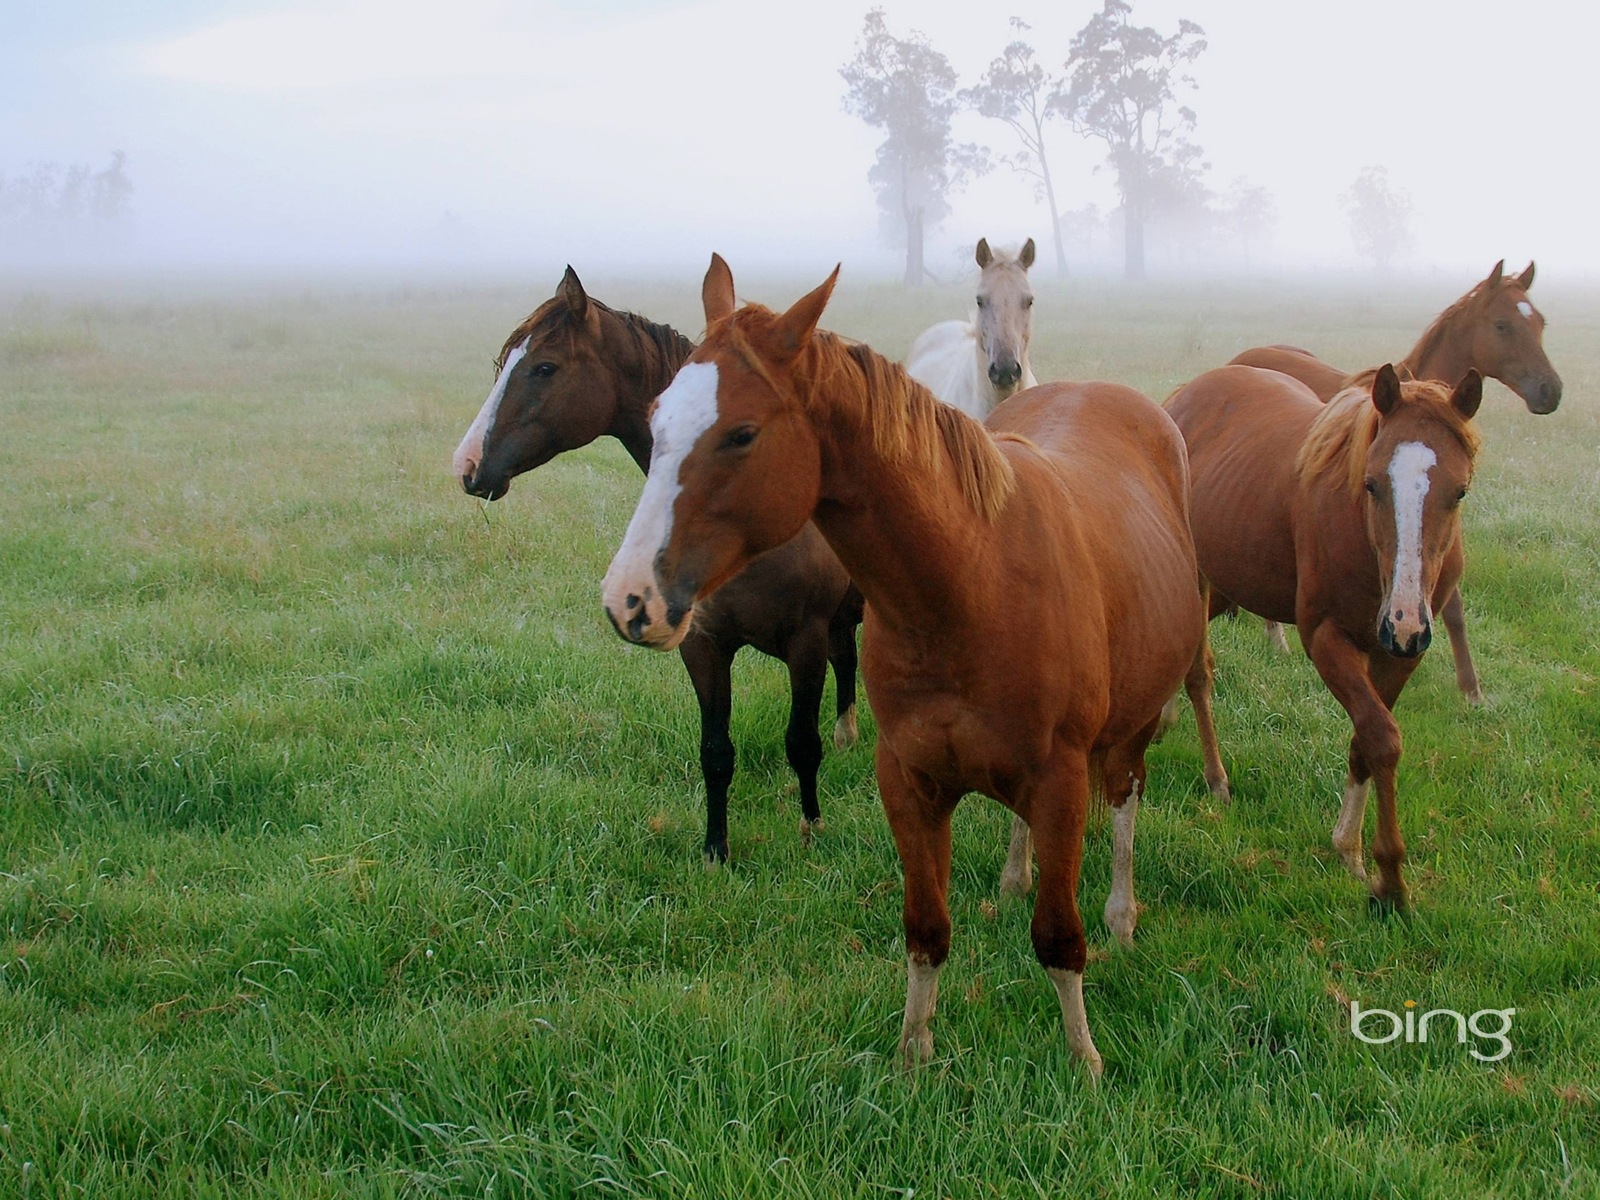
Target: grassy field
[(346, 851)]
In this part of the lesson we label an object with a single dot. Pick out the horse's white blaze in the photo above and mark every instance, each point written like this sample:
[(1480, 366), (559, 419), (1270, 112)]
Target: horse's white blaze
[(1408, 476), (1122, 910), (469, 454), (683, 414), (1525, 309)]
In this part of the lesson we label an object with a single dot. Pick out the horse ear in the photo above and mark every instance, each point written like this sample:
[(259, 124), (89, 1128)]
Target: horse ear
[(572, 290), (984, 256), (716, 293), (795, 327), (1468, 394), (1385, 390), (1525, 280), (1026, 257), (1494, 275)]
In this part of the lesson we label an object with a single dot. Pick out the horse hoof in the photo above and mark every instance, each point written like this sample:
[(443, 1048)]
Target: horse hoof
[(1220, 790), (1121, 922), (715, 856), (1474, 695), (845, 731), (1015, 885), (807, 829), (1353, 863), (1382, 908), (916, 1048)]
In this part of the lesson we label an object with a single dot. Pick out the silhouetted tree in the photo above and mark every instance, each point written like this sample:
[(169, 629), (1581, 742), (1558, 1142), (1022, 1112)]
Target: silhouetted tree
[(907, 88), (1380, 217), (1121, 88), (1018, 91), (65, 207), (1248, 214)]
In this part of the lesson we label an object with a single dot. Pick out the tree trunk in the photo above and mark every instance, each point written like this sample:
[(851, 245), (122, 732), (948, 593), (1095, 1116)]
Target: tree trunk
[(914, 263), (1055, 215), (1132, 244)]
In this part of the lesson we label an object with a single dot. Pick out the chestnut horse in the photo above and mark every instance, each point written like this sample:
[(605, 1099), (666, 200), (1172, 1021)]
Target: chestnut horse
[(1031, 591), (575, 371), (1345, 519), (1495, 330), (974, 365)]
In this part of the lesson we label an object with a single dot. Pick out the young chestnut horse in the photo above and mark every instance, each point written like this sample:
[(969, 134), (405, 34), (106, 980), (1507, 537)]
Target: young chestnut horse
[(1343, 518), (1495, 330), (1012, 644), (974, 365), (575, 371)]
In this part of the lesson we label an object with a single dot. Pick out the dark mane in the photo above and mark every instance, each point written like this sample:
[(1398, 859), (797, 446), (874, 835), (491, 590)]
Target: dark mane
[(661, 347)]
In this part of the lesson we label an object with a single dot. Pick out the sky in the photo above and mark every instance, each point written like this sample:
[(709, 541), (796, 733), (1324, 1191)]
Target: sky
[(642, 134)]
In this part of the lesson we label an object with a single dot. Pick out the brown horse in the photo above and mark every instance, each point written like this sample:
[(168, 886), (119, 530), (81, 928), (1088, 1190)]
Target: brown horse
[(575, 371), (1345, 519), (1012, 645), (1495, 330)]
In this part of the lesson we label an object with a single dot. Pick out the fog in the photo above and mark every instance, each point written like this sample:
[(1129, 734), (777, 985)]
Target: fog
[(638, 135)]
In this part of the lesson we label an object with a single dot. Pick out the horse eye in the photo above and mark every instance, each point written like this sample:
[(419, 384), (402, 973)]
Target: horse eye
[(1461, 495), (1502, 326), (741, 437), (544, 370), (1028, 303), (1372, 487), (981, 302)]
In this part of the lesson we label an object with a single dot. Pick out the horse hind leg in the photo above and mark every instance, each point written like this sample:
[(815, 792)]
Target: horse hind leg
[(1124, 784), (1347, 835), (1198, 684), (1276, 637), (807, 660), (1016, 877), (1455, 623), (842, 654)]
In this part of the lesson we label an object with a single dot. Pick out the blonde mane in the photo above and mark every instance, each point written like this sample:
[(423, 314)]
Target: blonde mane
[(908, 425), (1343, 432)]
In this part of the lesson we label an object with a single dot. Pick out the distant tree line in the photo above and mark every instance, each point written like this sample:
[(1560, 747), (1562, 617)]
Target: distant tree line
[(1121, 84), (52, 206)]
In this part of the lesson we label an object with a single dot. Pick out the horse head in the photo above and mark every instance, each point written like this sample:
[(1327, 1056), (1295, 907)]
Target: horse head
[(736, 467), (1005, 314), (1508, 339), (556, 389), (1417, 471)]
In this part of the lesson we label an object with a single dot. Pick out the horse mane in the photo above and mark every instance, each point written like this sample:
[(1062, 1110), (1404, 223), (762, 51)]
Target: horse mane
[(907, 423), (1343, 432), (1435, 333), (661, 347)]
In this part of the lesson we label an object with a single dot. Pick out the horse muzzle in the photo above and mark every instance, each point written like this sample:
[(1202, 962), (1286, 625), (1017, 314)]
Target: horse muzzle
[(645, 614), (1541, 393), (1407, 643), (484, 487), (1005, 374)]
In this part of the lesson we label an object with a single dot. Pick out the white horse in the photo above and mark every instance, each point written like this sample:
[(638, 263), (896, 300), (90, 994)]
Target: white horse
[(973, 365)]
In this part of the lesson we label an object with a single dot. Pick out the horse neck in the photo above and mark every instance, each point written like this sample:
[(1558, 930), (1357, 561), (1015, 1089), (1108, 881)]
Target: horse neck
[(1444, 351), (906, 534), (647, 356)]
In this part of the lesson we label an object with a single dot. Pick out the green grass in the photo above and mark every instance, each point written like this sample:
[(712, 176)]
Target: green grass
[(347, 852)]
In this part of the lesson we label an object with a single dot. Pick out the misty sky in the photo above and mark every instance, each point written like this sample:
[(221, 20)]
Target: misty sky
[(649, 132)]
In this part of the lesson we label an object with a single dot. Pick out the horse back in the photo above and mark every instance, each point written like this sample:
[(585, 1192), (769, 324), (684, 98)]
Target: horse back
[(943, 360), (1243, 427), (1325, 380)]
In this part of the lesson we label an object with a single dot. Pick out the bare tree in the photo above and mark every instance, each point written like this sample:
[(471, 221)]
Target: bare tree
[(1121, 88), (1248, 214), (1018, 91), (1380, 217), (907, 88)]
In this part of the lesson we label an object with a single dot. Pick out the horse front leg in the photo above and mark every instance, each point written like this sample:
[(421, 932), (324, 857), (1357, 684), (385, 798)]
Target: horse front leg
[(919, 817), (1455, 623), (711, 671), (1057, 804), (1374, 754)]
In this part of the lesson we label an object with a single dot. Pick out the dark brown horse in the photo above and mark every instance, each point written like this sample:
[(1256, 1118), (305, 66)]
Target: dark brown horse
[(1495, 330), (1031, 588), (575, 371), (1345, 519)]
